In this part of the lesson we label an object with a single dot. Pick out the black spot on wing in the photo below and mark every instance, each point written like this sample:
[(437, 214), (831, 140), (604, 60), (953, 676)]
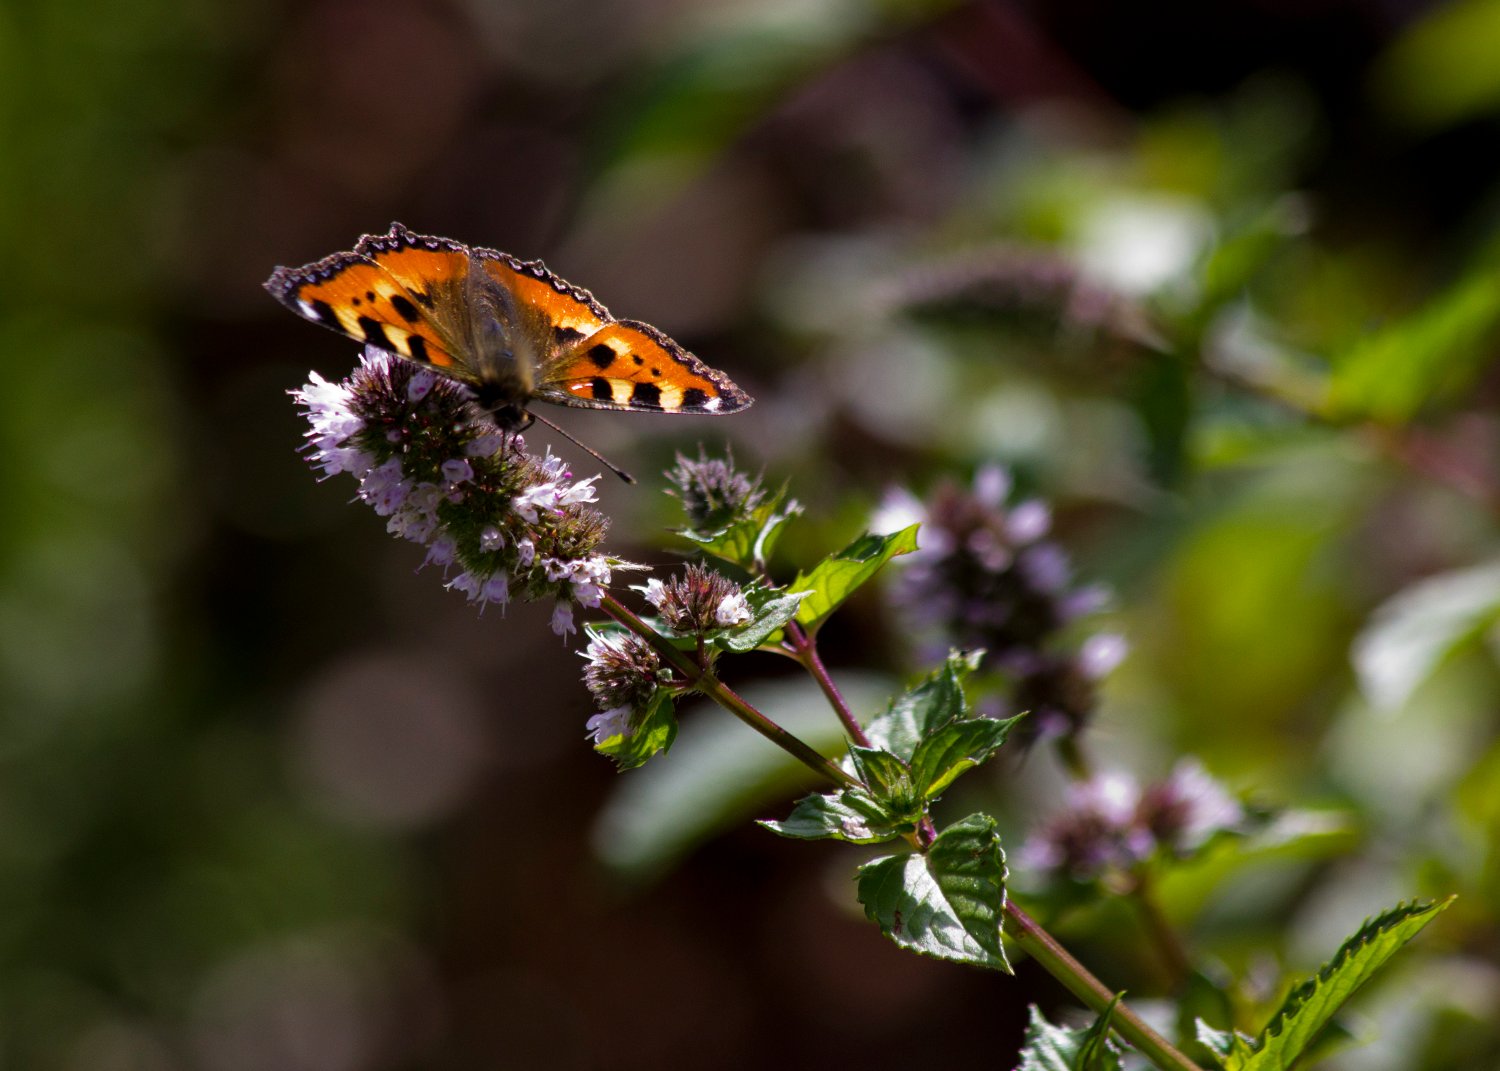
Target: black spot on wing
[(566, 336), (602, 356), (646, 395), (374, 333), (693, 398), (407, 310), (602, 391), (417, 346), (324, 314)]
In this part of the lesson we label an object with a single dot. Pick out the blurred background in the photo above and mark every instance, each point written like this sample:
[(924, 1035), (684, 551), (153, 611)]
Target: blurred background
[(1217, 281)]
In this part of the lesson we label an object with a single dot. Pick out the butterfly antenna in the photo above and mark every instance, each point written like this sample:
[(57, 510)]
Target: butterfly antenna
[(595, 454)]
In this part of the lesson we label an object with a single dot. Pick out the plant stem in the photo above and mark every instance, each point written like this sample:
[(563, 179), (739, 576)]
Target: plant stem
[(1168, 942), (1059, 963), (805, 648), (1034, 940), (704, 681)]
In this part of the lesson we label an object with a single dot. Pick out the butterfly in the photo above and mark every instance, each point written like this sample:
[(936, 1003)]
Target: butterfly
[(510, 329)]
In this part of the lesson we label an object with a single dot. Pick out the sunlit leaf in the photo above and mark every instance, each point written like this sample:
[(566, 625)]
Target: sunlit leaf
[(947, 902), (1421, 359), (1413, 633), (1055, 1048), (1311, 1005), (748, 542), (772, 610), (930, 704), (652, 731), (848, 816), (837, 576), (953, 750)]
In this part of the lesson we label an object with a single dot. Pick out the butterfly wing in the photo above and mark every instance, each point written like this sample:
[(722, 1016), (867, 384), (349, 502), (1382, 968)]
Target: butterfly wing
[(631, 365), (508, 327), (399, 291)]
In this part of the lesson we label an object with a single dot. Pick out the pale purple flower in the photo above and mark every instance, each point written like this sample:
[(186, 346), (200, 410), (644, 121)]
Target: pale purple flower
[(1188, 808), (446, 478), (421, 382), (441, 552), (456, 470), (608, 723), (496, 589), (385, 487), (986, 577), (1111, 823), (733, 610)]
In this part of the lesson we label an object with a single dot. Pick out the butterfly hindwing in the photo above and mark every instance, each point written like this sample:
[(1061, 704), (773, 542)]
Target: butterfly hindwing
[(631, 365)]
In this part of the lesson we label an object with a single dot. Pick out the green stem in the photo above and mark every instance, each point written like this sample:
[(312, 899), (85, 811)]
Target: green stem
[(704, 681), (1059, 963), (1168, 942), (1034, 940)]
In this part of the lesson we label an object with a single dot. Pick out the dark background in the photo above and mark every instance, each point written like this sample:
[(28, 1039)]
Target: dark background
[(270, 798)]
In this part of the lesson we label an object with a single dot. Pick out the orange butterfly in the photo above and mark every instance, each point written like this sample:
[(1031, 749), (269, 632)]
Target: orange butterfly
[(508, 328)]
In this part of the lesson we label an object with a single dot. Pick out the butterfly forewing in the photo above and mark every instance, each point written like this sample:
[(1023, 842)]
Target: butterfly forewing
[(358, 297), (632, 365), (556, 313)]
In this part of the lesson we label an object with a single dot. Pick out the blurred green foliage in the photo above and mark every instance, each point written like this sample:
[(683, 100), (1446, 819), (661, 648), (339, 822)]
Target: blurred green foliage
[(268, 800)]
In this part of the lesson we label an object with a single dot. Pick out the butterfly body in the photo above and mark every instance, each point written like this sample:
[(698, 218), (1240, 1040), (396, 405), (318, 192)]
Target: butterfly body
[(510, 329)]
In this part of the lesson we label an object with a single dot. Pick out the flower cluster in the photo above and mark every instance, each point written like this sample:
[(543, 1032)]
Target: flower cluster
[(713, 493), (698, 602), (1111, 824), (506, 523), (623, 675), (987, 577)]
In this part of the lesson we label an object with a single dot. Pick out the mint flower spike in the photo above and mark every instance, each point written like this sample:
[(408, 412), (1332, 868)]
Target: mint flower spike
[(1111, 823), (505, 523), (623, 675), (988, 577), (698, 602), (714, 494)]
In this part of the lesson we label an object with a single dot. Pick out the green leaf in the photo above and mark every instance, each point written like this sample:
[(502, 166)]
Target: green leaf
[(652, 730), (845, 816), (947, 902), (884, 774), (930, 704), (1219, 1042), (953, 750), (1311, 1005), (1414, 632), (771, 609), (1429, 356), (748, 543), (837, 576), (1055, 1048), (1097, 1052), (1440, 69)]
